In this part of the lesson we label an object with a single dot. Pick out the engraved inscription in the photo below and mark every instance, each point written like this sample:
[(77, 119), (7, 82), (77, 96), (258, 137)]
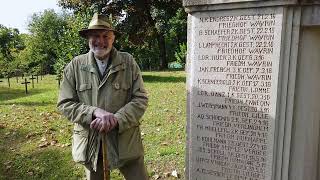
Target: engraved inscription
[(234, 86)]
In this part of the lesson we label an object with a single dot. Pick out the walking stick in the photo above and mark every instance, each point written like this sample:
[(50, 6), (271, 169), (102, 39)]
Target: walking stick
[(106, 173)]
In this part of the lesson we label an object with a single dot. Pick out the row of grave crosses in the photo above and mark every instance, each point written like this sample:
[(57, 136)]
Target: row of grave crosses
[(33, 77)]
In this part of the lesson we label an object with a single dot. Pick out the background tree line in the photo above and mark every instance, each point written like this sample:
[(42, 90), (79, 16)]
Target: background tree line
[(154, 31)]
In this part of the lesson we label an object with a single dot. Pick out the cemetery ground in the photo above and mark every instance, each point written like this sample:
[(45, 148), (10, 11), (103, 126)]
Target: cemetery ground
[(35, 139)]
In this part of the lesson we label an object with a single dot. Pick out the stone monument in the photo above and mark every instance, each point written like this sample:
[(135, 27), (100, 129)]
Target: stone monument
[(253, 83)]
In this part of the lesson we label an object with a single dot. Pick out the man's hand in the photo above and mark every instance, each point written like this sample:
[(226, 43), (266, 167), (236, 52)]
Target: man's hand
[(104, 121)]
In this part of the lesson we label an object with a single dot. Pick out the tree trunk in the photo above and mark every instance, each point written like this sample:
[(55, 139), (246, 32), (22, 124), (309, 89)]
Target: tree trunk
[(162, 50)]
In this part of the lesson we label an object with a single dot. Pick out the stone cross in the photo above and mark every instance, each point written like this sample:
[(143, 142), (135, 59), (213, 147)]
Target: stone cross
[(26, 84)]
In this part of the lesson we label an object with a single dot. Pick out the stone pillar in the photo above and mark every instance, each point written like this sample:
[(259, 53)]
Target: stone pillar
[(253, 82)]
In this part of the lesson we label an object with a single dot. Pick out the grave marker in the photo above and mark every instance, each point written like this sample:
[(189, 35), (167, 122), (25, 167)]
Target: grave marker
[(26, 84)]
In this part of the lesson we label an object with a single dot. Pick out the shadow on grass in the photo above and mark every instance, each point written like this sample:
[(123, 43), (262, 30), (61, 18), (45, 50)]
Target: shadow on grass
[(35, 163), (155, 79), (10, 93)]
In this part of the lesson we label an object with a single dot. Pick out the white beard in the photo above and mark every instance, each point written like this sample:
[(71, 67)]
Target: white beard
[(99, 53)]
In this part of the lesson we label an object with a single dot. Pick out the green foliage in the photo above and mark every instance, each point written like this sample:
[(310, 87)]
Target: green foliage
[(10, 45), (177, 34), (181, 53), (46, 30), (150, 30), (71, 44)]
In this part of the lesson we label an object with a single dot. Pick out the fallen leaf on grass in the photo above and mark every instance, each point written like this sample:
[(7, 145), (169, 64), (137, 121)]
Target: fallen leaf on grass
[(30, 135), (7, 163), (43, 139), (164, 144), (48, 131), (8, 167), (166, 174), (13, 106), (64, 145), (53, 142), (156, 176), (44, 144), (174, 173)]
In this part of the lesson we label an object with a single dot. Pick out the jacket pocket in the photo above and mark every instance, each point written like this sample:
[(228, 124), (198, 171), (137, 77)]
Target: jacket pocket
[(119, 95), (85, 93), (84, 87), (80, 144)]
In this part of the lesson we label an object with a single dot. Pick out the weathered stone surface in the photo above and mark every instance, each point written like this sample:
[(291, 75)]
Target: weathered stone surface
[(233, 65)]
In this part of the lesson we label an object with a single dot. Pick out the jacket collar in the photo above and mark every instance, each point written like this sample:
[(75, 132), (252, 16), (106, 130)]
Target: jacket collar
[(114, 57), (117, 64)]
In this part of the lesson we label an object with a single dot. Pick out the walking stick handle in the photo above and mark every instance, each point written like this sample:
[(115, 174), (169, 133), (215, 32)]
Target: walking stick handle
[(106, 173)]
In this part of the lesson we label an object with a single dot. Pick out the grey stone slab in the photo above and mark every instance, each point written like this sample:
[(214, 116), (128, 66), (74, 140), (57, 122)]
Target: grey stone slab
[(311, 15), (233, 72), (306, 129)]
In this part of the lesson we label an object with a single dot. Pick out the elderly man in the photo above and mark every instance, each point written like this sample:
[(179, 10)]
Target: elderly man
[(102, 93)]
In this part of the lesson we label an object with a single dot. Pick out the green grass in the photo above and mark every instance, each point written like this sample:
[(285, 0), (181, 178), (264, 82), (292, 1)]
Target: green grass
[(29, 121)]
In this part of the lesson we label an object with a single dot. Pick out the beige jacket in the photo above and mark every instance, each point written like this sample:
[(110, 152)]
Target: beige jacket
[(121, 92)]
